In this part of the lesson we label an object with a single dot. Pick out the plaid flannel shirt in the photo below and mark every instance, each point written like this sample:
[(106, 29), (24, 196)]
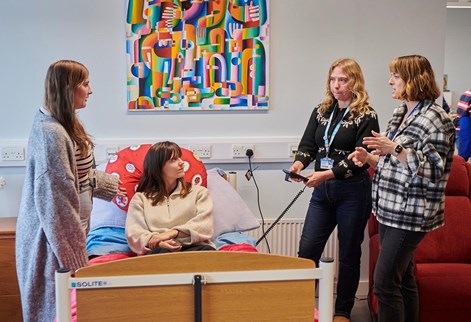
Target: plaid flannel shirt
[(412, 197)]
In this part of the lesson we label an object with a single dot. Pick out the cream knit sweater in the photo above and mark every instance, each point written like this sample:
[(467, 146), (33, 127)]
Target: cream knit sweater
[(191, 215)]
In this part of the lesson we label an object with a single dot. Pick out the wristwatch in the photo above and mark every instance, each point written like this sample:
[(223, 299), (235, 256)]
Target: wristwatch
[(398, 149)]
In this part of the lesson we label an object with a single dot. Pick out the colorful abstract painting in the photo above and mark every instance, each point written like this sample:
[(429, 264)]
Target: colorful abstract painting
[(197, 55)]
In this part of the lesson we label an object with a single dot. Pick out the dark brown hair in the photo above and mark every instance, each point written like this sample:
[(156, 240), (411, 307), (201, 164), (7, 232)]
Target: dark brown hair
[(417, 73), (152, 183), (62, 78)]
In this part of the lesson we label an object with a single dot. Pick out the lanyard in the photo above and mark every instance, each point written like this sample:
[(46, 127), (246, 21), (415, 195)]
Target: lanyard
[(418, 105), (328, 142)]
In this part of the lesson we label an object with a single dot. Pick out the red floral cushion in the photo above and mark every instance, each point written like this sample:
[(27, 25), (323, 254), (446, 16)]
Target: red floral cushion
[(127, 165)]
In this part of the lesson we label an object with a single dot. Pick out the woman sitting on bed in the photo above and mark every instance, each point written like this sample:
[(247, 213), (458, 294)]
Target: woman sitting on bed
[(168, 214)]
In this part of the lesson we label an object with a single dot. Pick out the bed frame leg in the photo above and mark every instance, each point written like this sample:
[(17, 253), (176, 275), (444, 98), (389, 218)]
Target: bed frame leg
[(326, 290), (63, 307), (197, 292)]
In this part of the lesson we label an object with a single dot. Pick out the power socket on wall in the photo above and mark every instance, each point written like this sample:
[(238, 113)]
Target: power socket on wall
[(13, 153), (239, 150), (203, 151), (293, 148)]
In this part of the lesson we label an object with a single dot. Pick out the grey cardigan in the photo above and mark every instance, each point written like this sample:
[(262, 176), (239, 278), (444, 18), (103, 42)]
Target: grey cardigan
[(48, 233)]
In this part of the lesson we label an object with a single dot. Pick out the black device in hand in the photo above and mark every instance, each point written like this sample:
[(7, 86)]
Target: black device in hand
[(290, 174)]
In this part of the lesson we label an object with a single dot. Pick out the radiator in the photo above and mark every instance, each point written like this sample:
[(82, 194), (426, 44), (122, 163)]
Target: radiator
[(284, 238)]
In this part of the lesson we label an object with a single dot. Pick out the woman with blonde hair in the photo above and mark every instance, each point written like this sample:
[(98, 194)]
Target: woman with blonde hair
[(342, 194), (57, 191)]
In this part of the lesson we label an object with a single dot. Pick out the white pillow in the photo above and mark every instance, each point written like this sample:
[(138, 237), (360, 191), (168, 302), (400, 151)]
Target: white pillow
[(230, 212), (106, 213)]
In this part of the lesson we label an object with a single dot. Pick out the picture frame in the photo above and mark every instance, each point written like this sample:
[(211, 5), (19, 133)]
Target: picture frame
[(197, 55)]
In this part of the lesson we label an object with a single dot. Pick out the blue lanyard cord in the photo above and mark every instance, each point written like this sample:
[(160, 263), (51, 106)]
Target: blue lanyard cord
[(416, 107), (328, 142)]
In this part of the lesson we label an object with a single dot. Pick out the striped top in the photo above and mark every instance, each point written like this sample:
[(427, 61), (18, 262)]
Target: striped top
[(464, 104), (84, 165)]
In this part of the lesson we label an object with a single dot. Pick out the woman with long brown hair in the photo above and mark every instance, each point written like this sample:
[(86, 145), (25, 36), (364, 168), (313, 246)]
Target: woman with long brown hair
[(59, 182), (168, 214)]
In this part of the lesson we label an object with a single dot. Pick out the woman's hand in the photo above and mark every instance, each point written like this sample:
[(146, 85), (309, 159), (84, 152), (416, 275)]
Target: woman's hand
[(154, 241), (360, 156), (296, 167), (171, 245), (121, 190), (316, 178), (379, 143)]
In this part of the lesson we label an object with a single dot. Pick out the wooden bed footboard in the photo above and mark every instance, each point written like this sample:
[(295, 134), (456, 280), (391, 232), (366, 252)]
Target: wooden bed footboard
[(198, 286)]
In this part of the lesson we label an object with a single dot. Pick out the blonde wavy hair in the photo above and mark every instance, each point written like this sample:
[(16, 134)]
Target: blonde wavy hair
[(417, 73), (356, 83)]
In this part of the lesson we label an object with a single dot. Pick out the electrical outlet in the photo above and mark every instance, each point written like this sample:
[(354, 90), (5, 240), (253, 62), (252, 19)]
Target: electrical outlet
[(203, 151), (239, 150), (293, 148), (13, 153), (3, 182)]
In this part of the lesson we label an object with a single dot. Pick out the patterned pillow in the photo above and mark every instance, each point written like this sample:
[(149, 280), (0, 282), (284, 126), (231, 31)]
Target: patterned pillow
[(127, 165)]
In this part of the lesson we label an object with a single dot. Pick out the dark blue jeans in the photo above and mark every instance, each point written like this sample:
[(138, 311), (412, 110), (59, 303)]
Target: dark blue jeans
[(394, 280), (346, 204)]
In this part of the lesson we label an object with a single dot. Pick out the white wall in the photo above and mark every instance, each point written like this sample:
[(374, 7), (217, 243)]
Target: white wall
[(458, 53), (306, 36)]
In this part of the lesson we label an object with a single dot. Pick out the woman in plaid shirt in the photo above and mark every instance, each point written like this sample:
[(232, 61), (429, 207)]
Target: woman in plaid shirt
[(413, 160)]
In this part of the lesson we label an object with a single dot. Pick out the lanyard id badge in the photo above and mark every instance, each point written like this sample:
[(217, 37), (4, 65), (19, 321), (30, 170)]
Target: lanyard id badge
[(328, 163)]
